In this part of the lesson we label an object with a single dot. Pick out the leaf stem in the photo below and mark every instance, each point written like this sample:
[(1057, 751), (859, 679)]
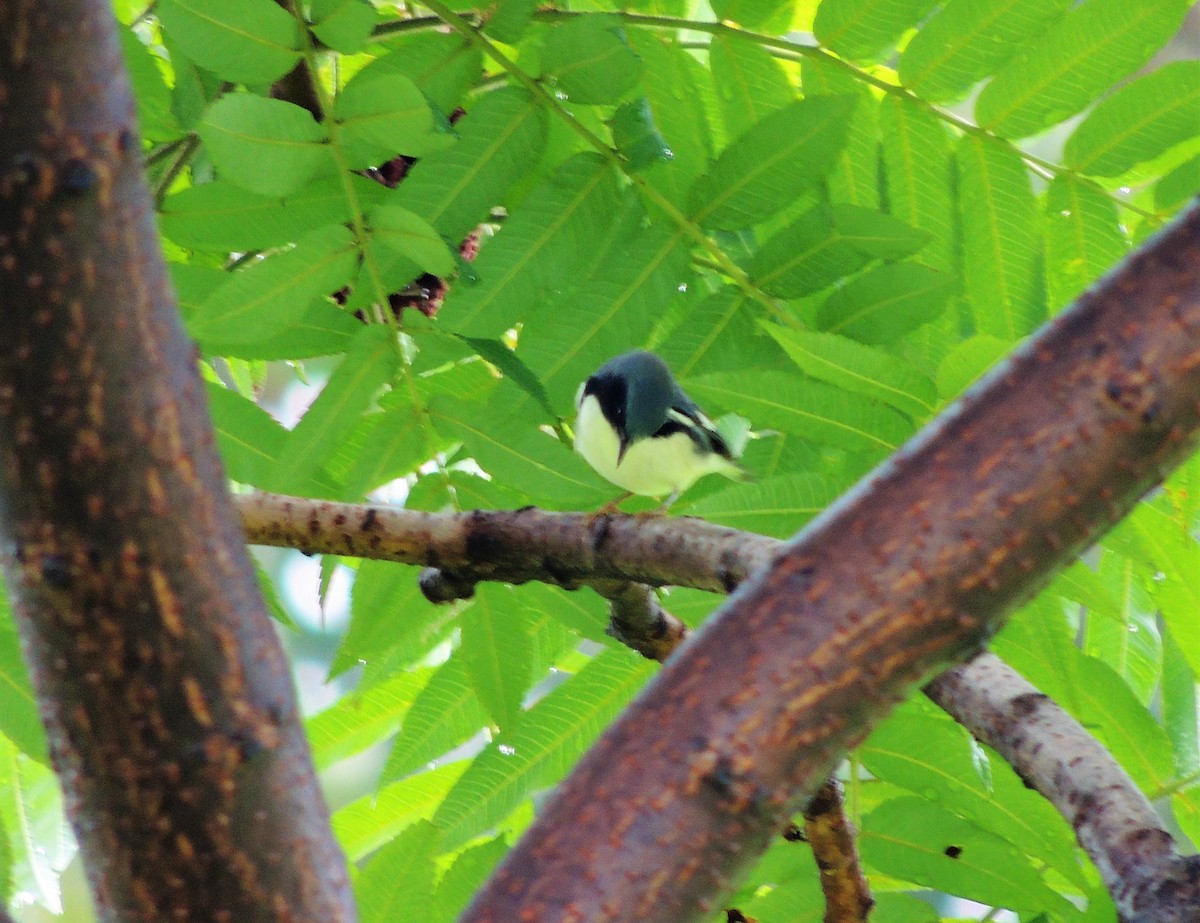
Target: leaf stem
[(728, 267)]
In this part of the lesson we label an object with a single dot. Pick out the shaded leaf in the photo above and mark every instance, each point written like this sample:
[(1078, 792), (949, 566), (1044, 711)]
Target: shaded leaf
[(855, 367), (245, 41), (774, 400), (381, 115), (786, 153), (266, 146), (274, 293), (883, 304), (412, 237), (591, 59)]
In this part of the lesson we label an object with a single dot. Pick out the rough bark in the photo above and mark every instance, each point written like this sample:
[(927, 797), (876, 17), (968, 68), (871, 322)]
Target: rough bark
[(1148, 880), (167, 699), (914, 569), (498, 545)]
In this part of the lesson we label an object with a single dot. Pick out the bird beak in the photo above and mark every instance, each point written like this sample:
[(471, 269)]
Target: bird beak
[(621, 450)]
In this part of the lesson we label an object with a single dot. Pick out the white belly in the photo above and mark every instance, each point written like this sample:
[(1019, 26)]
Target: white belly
[(651, 467)]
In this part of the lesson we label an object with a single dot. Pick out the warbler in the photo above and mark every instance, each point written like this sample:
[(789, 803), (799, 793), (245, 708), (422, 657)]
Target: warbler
[(640, 431)]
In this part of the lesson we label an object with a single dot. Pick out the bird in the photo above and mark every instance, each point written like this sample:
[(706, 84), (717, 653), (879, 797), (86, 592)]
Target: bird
[(638, 429)]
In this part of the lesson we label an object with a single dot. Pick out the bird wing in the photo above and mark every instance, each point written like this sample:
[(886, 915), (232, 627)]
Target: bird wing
[(685, 416)]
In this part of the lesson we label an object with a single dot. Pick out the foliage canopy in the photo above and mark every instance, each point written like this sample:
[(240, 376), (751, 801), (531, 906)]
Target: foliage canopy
[(830, 238)]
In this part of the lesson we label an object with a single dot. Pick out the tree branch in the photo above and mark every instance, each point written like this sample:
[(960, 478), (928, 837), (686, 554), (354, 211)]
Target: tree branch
[(912, 570), (167, 699), (509, 546), (1148, 880)]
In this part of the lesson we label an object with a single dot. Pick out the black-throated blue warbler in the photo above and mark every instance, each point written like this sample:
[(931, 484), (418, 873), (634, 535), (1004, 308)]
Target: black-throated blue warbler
[(639, 429)]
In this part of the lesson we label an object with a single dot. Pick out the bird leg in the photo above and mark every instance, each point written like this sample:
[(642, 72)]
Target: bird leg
[(610, 508)]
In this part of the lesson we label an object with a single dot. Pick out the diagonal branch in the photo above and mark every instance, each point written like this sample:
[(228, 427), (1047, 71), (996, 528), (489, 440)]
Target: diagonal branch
[(572, 548), (913, 570)]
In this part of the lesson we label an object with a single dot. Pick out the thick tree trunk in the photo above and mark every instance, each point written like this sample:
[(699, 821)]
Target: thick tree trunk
[(167, 699)]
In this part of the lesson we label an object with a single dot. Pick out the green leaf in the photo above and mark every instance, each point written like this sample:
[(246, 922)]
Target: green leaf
[(774, 400), (862, 29), (446, 713), (324, 330), (750, 82), (390, 619), (411, 236), (393, 447), (590, 59), (541, 748), (805, 257), (510, 19), (1000, 239), (498, 139), (442, 64), (930, 755), (636, 278), (671, 80), (1039, 644), (150, 93), (721, 334), (966, 362), (540, 249), (19, 719), (637, 137), (1066, 67), (771, 16), (1179, 707), (1166, 543), (918, 168), (249, 438), (369, 364), (877, 234), (381, 115), (245, 41), (1127, 638), (344, 25), (6, 863), (513, 367), (1138, 122), (266, 146), (850, 365), (883, 304), (397, 882), (1083, 237), (1109, 710), (363, 718), (778, 506), (31, 814), (916, 841), (966, 41), (463, 879), (826, 244), (520, 455), (854, 178), (786, 153), (273, 294), (224, 217), (1175, 189), (367, 823), (498, 652)]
